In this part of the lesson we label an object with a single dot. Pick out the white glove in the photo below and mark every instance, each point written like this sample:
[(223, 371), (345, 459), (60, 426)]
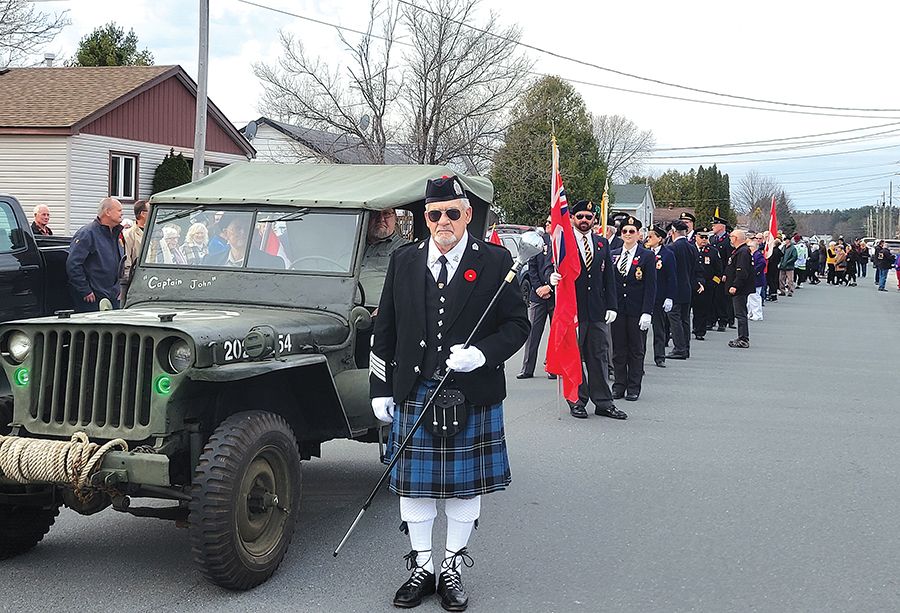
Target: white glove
[(383, 408), (611, 316), (465, 360), (667, 305), (645, 321), (554, 278)]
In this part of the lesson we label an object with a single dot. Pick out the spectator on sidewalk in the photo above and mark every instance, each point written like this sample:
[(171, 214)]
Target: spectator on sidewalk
[(802, 255), (829, 261), (741, 283), (94, 265), (884, 261), (863, 258), (755, 302), (772, 270), (41, 222), (786, 268)]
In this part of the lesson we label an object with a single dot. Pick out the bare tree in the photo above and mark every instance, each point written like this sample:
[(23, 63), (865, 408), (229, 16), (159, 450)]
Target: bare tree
[(623, 146), (24, 30), (305, 90), (461, 81), (754, 190)]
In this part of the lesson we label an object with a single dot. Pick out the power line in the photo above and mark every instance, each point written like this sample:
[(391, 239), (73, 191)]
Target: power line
[(783, 159), (320, 22), (774, 140), (639, 77)]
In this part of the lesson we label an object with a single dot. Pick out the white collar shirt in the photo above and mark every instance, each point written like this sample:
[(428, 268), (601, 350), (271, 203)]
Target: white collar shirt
[(628, 256), (454, 256), (580, 236)]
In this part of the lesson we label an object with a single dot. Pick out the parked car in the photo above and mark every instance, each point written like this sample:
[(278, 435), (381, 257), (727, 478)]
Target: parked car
[(224, 373), (510, 240)]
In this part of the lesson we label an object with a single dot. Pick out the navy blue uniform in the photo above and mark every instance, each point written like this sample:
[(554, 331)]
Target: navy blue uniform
[(686, 256), (94, 265), (539, 309), (711, 269), (636, 293), (722, 304), (666, 282)]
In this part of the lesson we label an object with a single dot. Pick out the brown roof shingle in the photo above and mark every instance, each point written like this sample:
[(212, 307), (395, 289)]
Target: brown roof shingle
[(62, 97)]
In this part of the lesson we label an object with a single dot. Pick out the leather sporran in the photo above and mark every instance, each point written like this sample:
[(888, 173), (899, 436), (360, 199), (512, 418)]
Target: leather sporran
[(447, 415)]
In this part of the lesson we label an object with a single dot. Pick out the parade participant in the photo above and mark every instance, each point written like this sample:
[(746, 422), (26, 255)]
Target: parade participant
[(740, 277), (613, 225), (690, 221), (382, 239), (720, 300), (686, 256), (772, 270), (434, 293), (595, 293), (94, 263), (665, 291), (40, 225), (540, 303), (635, 272), (711, 269)]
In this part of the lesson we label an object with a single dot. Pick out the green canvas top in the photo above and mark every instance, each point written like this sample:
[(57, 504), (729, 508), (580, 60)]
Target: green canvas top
[(318, 185)]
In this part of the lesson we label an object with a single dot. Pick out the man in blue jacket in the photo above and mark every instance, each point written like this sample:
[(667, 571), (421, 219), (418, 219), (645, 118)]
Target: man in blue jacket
[(540, 303), (686, 259), (96, 257), (635, 274), (665, 291)]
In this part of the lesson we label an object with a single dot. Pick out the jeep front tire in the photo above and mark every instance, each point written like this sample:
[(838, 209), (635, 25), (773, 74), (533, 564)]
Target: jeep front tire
[(245, 499)]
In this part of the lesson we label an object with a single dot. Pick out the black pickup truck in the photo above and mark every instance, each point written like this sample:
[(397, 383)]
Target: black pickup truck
[(32, 278)]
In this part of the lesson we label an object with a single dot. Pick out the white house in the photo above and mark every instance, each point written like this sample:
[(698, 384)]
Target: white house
[(72, 136), (276, 141), (636, 200)]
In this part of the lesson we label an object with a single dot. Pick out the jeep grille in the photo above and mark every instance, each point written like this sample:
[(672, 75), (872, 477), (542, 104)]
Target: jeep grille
[(92, 378)]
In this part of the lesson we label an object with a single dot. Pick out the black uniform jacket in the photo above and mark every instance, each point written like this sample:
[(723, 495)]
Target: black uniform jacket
[(740, 272), (666, 271), (688, 276), (398, 343), (539, 269), (595, 289), (711, 266), (636, 291), (723, 245)]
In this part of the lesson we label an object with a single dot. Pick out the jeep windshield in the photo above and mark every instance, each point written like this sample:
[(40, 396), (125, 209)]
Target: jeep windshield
[(280, 239)]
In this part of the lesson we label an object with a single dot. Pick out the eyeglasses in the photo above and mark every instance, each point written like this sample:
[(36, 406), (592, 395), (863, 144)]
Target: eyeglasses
[(435, 215), (629, 231), (584, 215), (548, 222)]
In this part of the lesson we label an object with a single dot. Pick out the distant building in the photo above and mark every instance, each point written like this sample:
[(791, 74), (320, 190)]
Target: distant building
[(70, 136), (665, 216), (276, 141), (636, 200)]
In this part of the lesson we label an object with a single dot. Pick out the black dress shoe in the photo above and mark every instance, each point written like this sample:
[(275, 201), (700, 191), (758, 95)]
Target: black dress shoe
[(578, 411), (661, 363), (611, 411), (618, 395), (631, 397), (450, 589), (734, 327), (419, 585), (523, 375), (551, 376), (699, 338), (676, 356), (721, 328)]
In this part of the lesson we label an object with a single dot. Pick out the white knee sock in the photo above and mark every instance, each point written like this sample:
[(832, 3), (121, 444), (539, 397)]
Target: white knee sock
[(419, 514), (461, 516)]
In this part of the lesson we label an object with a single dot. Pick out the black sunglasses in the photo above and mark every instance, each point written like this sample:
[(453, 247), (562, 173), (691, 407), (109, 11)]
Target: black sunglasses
[(584, 215), (629, 231), (434, 215)]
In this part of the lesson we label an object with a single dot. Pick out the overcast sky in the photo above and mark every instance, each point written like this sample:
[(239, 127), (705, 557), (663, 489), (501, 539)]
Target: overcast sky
[(796, 52)]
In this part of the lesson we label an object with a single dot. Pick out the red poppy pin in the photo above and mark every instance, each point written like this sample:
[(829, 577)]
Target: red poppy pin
[(635, 261), (470, 275)]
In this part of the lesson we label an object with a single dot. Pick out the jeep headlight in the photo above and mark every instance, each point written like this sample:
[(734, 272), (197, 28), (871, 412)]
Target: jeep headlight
[(181, 356), (19, 346)]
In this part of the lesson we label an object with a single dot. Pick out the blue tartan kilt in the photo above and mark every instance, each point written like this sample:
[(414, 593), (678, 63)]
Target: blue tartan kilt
[(471, 463)]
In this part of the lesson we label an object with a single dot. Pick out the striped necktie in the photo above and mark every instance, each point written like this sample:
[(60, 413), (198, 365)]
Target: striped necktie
[(588, 252), (623, 263)]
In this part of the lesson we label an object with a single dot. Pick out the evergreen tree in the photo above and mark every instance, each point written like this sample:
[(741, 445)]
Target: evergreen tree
[(110, 46), (521, 172), (171, 172)]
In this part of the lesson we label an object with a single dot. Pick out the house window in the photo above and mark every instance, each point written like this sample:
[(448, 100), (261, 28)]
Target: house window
[(123, 176)]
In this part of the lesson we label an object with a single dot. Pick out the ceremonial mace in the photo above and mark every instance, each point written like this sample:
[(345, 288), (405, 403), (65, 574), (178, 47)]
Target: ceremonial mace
[(530, 245)]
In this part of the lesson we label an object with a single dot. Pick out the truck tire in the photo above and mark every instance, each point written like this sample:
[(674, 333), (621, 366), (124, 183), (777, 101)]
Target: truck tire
[(22, 527), (6, 413), (245, 499)]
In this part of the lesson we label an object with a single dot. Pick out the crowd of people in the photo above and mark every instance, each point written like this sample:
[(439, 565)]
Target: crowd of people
[(701, 280)]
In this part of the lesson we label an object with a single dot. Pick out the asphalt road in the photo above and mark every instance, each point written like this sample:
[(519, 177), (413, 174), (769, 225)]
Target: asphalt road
[(743, 480)]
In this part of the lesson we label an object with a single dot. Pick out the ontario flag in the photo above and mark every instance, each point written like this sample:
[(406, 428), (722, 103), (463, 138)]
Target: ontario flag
[(563, 355), (494, 238), (773, 231), (273, 241)]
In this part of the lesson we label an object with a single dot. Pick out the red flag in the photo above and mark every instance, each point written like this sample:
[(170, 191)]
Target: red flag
[(563, 355), (495, 238), (773, 231), (271, 243)]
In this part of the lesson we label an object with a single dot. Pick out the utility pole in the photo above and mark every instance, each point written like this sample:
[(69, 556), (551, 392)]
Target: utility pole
[(202, 72)]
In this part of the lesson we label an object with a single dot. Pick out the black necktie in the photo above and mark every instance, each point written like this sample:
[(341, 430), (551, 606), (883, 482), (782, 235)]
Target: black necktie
[(442, 276), (623, 263)]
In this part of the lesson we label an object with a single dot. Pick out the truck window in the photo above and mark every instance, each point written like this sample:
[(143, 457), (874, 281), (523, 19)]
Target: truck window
[(7, 225)]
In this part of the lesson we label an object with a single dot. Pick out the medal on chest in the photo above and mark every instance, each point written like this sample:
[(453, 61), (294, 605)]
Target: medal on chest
[(706, 260), (658, 263), (638, 272)]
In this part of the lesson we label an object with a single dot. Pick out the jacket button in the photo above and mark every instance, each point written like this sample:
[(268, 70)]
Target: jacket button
[(421, 343), (415, 369)]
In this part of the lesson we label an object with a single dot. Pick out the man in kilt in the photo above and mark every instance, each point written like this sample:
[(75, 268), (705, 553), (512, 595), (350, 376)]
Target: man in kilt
[(434, 293)]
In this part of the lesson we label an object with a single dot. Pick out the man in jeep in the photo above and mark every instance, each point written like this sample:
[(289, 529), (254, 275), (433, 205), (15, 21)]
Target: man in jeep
[(434, 294)]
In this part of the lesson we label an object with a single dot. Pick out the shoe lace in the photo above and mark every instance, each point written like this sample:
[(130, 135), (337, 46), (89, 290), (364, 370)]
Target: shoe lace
[(412, 563), (460, 557)]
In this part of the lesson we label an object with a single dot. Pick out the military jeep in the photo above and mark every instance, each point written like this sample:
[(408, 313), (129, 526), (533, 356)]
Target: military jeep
[(242, 348)]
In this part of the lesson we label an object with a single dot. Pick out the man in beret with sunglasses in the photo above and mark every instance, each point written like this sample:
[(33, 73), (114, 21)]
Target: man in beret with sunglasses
[(595, 294), (434, 293), (687, 283)]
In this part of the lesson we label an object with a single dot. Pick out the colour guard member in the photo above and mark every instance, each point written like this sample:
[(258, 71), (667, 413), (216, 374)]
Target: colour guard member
[(595, 293), (722, 303), (434, 294), (540, 303), (686, 256), (665, 291), (635, 270), (711, 268), (690, 221)]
